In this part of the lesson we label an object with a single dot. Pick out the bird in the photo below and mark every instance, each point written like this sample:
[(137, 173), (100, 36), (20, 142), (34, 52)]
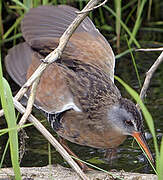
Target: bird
[(77, 91)]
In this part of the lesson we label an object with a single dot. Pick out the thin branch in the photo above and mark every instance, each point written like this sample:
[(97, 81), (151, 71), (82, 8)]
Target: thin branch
[(52, 140), (30, 102), (149, 75), (150, 49), (91, 9)]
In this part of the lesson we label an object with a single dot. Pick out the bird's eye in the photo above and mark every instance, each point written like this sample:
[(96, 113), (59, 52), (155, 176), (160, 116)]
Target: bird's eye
[(129, 123)]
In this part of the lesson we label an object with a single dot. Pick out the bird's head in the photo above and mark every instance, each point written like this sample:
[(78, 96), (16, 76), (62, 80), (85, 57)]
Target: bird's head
[(127, 119)]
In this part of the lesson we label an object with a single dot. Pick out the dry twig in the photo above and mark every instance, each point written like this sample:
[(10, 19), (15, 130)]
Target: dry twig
[(91, 9), (149, 75), (30, 102), (150, 49)]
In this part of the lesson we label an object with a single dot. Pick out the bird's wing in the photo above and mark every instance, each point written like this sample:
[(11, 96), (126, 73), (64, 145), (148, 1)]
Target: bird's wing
[(17, 62), (53, 95), (43, 26)]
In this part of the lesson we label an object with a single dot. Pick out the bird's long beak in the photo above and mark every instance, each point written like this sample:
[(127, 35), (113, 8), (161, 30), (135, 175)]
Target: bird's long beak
[(141, 139)]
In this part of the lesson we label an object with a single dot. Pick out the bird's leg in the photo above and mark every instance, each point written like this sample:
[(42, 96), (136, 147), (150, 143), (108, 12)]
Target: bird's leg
[(83, 166), (110, 154)]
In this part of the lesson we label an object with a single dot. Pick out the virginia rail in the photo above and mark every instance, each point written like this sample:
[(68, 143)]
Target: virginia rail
[(77, 92)]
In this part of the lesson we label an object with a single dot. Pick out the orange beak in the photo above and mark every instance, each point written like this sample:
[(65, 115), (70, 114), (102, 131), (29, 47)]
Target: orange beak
[(141, 139)]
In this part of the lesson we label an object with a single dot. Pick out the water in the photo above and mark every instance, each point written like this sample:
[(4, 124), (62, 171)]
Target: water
[(129, 156)]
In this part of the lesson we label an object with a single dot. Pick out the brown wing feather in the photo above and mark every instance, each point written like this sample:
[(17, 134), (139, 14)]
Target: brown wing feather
[(22, 61), (17, 62), (43, 26), (56, 94)]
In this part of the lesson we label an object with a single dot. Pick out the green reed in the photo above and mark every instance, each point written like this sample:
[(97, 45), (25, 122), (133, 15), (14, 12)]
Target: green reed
[(118, 7), (9, 111)]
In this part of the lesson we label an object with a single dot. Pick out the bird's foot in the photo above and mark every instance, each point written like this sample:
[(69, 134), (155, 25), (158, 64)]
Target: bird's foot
[(83, 166), (110, 154)]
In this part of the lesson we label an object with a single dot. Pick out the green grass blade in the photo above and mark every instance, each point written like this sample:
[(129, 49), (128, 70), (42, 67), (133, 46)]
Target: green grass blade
[(124, 26), (1, 21), (118, 17), (12, 27), (130, 15), (160, 169), (49, 154), (124, 53), (151, 29), (101, 15), (14, 37), (129, 4), (147, 157), (106, 27), (149, 10), (4, 153), (138, 21), (7, 104), (21, 5), (28, 4), (105, 171), (9, 111), (134, 63), (6, 130)]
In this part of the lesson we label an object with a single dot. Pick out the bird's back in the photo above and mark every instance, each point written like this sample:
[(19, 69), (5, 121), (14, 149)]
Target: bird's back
[(41, 28)]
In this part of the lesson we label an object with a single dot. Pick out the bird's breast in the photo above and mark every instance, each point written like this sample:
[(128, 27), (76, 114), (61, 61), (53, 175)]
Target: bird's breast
[(77, 127)]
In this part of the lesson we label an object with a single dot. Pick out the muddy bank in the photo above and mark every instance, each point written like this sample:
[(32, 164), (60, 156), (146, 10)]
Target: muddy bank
[(61, 173)]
